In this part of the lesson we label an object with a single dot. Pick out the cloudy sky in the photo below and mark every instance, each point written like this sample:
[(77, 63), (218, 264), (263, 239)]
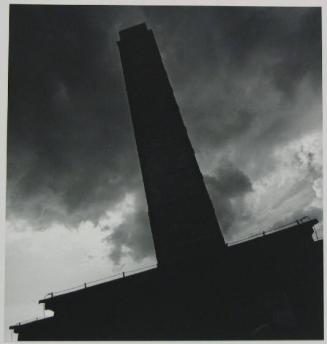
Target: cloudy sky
[(248, 83)]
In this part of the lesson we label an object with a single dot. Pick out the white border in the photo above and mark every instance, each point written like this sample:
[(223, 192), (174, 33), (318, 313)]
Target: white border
[(4, 43)]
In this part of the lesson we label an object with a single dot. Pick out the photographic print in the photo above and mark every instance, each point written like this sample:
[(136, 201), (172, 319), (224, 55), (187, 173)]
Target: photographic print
[(164, 173)]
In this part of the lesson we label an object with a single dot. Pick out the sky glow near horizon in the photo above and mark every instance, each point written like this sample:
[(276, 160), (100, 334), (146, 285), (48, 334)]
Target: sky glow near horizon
[(248, 84)]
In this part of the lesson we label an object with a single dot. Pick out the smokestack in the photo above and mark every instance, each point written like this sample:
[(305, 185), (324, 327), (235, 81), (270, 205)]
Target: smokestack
[(182, 217)]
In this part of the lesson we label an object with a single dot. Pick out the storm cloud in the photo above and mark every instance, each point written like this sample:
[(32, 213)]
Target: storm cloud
[(248, 83)]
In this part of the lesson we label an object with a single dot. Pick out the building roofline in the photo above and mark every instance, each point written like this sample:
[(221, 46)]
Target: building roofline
[(85, 286), (100, 282), (303, 221)]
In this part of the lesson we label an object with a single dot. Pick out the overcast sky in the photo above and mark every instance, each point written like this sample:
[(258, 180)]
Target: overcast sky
[(248, 83)]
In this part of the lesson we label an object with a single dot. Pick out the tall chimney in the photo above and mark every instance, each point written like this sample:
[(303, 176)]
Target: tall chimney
[(182, 217)]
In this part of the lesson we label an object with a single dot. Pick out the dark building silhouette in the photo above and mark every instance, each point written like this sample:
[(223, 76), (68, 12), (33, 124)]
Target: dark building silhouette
[(269, 287)]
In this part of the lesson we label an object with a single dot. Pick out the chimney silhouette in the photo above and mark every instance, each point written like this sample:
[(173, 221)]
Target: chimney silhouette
[(182, 218)]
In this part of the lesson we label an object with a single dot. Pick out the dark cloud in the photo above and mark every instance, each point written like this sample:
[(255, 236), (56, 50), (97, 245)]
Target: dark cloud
[(246, 80), (231, 181), (248, 85), (228, 183), (68, 110)]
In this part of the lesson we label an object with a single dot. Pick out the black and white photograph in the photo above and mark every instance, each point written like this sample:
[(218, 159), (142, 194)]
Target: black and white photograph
[(164, 172)]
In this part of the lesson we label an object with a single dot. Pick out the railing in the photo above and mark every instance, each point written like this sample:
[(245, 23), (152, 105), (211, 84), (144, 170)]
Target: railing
[(89, 284), (304, 219), (31, 320), (101, 280)]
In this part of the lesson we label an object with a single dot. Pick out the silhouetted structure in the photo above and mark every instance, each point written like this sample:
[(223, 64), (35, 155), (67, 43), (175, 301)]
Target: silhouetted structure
[(181, 214), (270, 287)]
